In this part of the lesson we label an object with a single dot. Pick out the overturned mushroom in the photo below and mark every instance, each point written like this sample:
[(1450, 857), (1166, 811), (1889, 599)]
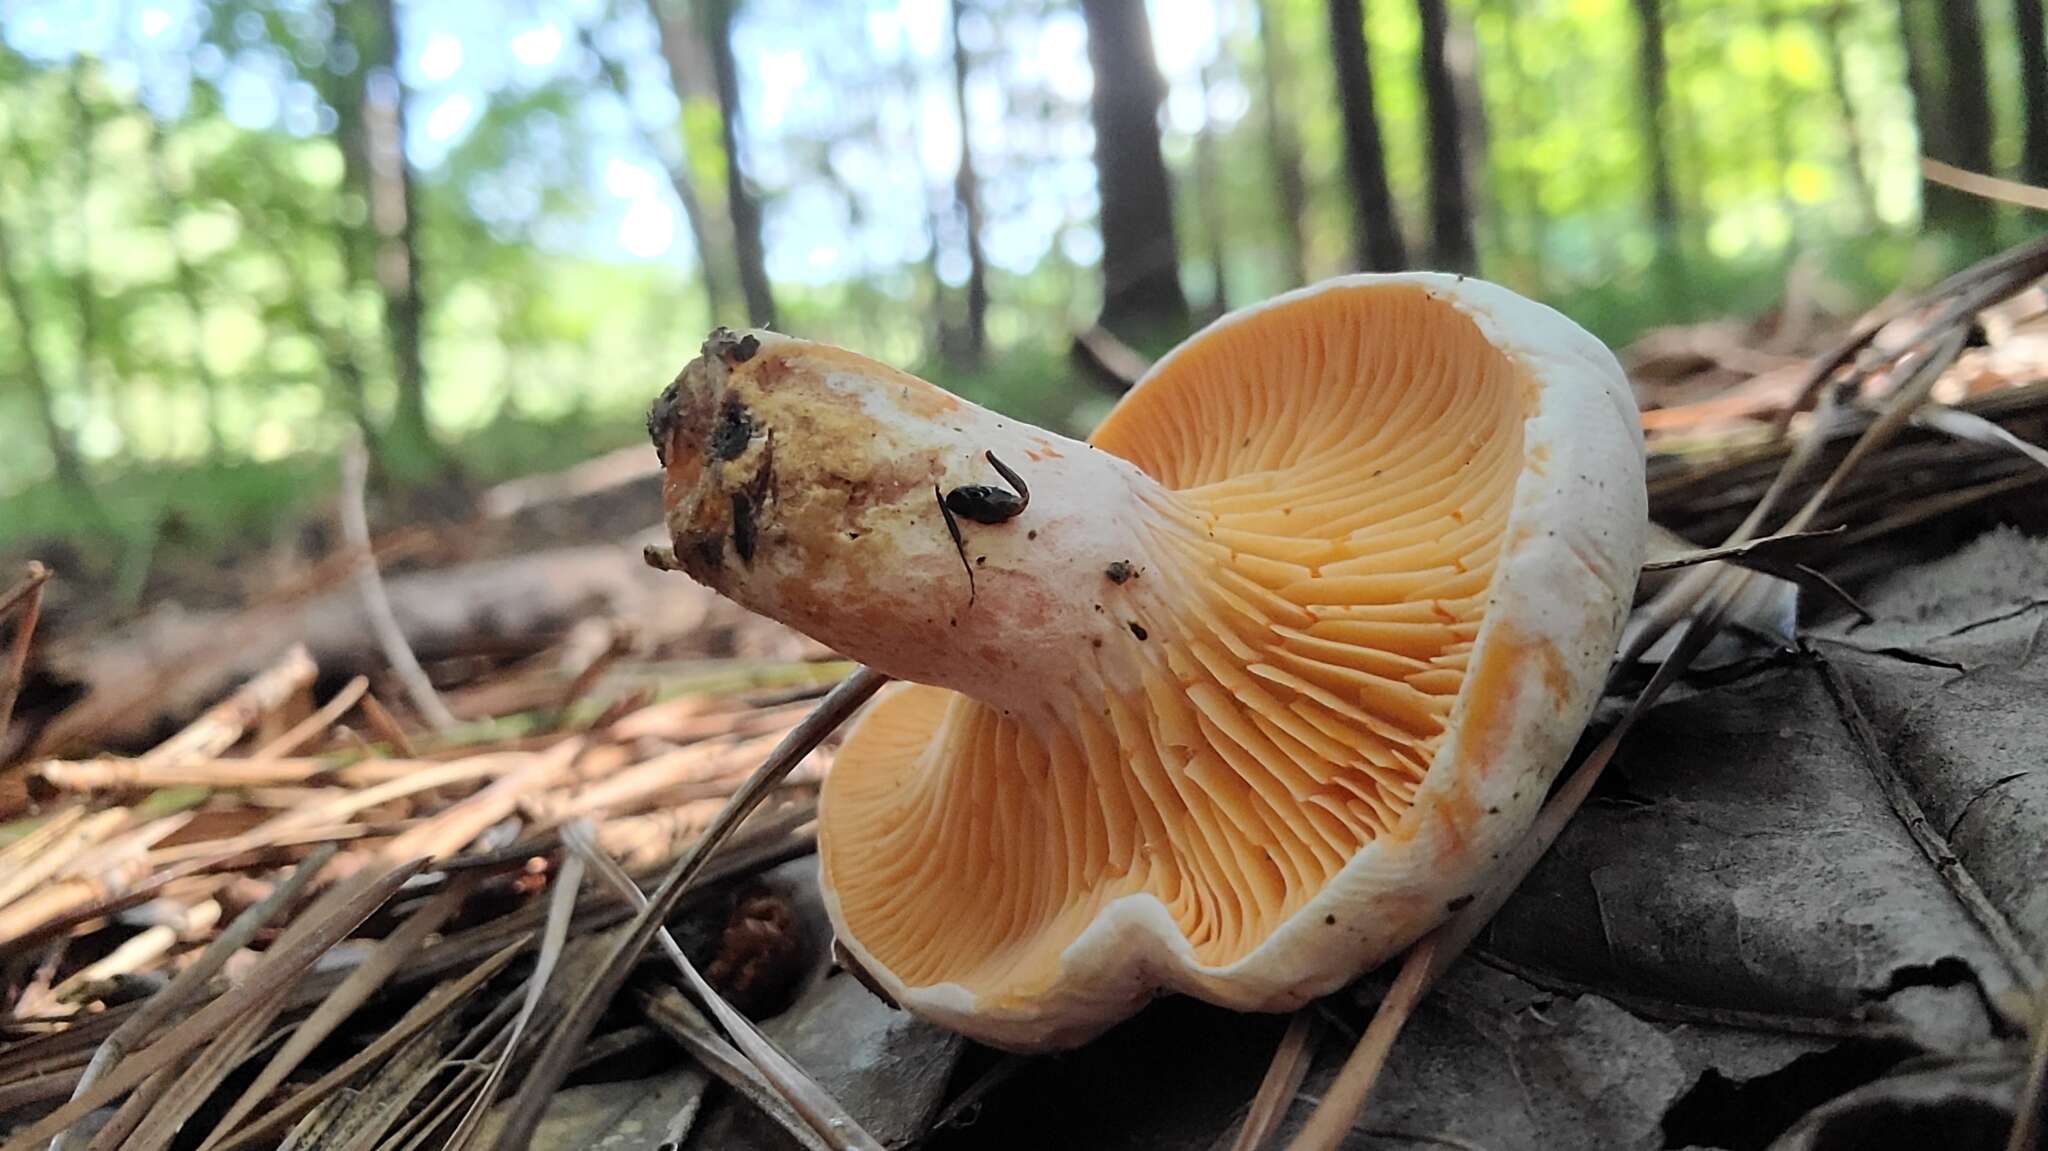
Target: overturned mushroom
[(1247, 691)]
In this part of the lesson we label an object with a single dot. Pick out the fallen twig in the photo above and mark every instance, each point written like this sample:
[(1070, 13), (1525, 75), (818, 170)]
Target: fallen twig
[(26, 599), (1983, 186), (355, 529)]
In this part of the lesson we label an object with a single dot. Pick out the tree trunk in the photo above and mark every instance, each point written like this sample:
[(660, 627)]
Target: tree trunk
[(1969, 88), (1209, 203), (967, 193), (1653, 86), (1928, 112), (741, 205), (1141, 293), (1284, 144), (395, 217), (188, 284), (354, 243), (84, 293), (1852, 129), (1375, 232), (1450, 202), (63, 454), (2032, 24), (1462, 57), (1951, 105), (675, 158)]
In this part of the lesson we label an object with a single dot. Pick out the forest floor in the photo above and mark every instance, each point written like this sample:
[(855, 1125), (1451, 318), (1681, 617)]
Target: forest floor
[(1802, 909)]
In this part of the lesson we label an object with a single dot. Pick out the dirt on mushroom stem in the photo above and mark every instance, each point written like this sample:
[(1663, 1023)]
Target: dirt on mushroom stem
[(809, 484)]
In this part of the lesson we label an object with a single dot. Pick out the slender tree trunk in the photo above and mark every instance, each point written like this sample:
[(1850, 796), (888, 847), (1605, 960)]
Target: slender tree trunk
[(1209, 203), (1450, 202), (1141, 292), (1652, 70), (63, 454), (741, 203), (395, 216), (84, 292), (354, 243), (674, 158), (2032, 25), (1928, 111), (1284, 143), (1376, 232), (1852, 129), (967, 195), (188, 286), (1951, 105), (1462, 56), (1969, 87)]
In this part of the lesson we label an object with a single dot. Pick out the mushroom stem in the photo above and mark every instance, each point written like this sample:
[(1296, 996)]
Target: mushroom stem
[(812, 485)]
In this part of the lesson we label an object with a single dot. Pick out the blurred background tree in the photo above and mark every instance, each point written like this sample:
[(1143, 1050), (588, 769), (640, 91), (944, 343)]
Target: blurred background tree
[(480, 235)]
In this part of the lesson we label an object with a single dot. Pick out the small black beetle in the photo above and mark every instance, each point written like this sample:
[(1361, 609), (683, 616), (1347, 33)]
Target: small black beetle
[(984, 505), (990, 505)]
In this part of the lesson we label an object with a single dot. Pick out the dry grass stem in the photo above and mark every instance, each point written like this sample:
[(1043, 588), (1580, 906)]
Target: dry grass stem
[(677, 1018), (355, 530), (315, 725), (385, 726), (225, 723)]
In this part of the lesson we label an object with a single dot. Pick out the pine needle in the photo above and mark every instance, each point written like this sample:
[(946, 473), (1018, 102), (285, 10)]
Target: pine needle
[(818, 1108), (279, 968), (428, 1011), (159, 1008), (342, 1002), (561, 906), (554, 1060), (1282, 1082)]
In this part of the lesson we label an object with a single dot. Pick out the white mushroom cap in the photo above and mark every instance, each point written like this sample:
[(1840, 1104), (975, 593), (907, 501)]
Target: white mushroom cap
[(1256, 688)]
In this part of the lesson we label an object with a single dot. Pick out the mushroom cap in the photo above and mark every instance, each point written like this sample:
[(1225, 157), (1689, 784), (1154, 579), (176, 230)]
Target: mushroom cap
[(1364, 607)]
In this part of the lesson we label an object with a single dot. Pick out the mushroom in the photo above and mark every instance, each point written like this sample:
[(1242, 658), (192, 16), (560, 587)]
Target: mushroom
[(1236, 699)]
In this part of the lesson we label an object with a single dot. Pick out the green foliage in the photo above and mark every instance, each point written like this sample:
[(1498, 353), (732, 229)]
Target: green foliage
[(204, 286)]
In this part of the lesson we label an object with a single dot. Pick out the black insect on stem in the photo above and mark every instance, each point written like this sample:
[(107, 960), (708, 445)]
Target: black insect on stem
[(985, 504)]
